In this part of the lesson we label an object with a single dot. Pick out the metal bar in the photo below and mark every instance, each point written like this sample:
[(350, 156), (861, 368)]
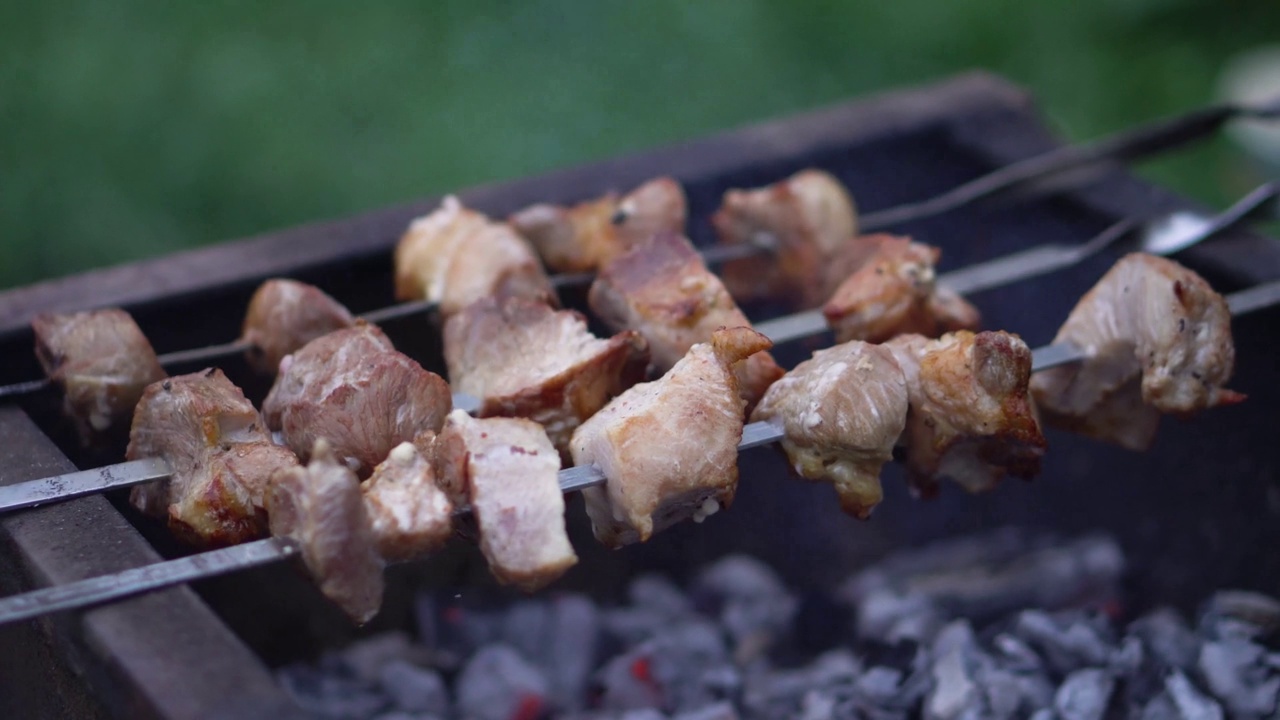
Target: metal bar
[(1255, 298), (211, 352), (77, 484)]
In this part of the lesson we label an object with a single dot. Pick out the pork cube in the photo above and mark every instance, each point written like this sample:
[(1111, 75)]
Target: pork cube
[(893, 292), (353, 389), (102, 362), (283, 316), (584, 237), (455, 256), (409, 513), (668, 448), (1158, 340), (662, 289), (806, 217), (524, 359), (842, 412), (220, 454), (508, 470), (320, 508), (971, 417)]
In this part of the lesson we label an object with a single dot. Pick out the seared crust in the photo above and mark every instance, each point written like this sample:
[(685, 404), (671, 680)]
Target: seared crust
[(283, 316)]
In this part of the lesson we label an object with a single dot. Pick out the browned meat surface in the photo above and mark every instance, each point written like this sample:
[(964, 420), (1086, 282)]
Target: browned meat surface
[(102, 362), (971, 417), (669, 448), (283, 316), (808, 217), (455, 256), (524, 359), (353, 389), (320, 508), (410, 515), (220, 453), (892, 292), (508, 470), (586, 236), (842, 411), (662, 289), (1159, 341)]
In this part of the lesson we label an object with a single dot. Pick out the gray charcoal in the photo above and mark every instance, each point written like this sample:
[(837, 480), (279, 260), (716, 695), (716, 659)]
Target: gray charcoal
[(630, 626), (1016, 655), (780, 693), (717, 711), (526, 626), (1067, 641), (1235, 673), (414, 689), (498, 684), (817, 705), (1127, 660), (956, 692), (1239, 613), (755, 607), (1167, 639), (1188, 701), (1084, 695), (657, 593), (402, 715), (886, 615), (329, 695), (571, 651), (626, 682), (691, 665), (1003, 691), (1043, 714), (1160, 707), (366, 658)]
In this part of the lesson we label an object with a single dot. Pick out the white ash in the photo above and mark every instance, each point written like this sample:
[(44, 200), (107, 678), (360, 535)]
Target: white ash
[(1000, 626)]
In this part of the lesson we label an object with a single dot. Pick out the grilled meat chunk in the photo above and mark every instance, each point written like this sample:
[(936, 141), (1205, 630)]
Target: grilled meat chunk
[(319, 507), (1158, 340), (669, 448), (661, 288), (220, 453), (807, 217), (892, 292), (524, 359), (102, 362), (842, 411), (455, 256), (410, 515), (587, 235), (508, 470), (353, 389), (283, 316), (971, 417)]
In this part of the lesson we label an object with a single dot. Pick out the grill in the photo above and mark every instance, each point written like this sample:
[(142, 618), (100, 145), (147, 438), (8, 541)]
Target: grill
[(1200, 511)]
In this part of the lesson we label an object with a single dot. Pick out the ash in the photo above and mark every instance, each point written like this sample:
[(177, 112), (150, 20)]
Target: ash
[(1002, 625)]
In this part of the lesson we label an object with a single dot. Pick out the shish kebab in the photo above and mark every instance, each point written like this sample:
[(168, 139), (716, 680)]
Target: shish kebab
[(1194, 360), (1144, 140), (1166, 235)]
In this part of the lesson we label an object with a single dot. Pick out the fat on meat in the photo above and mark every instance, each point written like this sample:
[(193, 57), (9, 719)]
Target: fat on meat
[(220, 453), (352, 388), (669, 448), (893, 291), (662, 289), (283, 316), (456, 256), (807, 217), (102, 362), (1158, 340), (320, 508), (508, 471), (841, 412), (523, 358), (971, 417), (409, 513), (584, 237)]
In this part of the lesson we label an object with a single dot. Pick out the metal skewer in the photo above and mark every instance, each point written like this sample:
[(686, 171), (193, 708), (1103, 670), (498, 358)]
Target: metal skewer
[(135, 581)]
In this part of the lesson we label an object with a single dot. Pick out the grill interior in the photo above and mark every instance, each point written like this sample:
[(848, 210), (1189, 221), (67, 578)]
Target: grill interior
[(1198, 512)]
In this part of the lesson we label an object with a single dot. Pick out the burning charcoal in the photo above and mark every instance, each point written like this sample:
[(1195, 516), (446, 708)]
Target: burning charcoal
[(366, 658), (626, 683), (1239, 613), (685, 667), (1235, 672), (498, 684), (889, 616), (1068, 641), (1188, 701), (415, 689), (655, 604), (780, 693), (718, 711), (1167, 639), (453, 631), (753, 605), (1084, 695), (330, 695)]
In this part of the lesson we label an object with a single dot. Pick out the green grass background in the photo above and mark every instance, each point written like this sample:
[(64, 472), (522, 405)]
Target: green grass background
[(130, 129)]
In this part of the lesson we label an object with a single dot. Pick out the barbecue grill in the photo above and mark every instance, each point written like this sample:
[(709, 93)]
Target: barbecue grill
[(1200, 511)]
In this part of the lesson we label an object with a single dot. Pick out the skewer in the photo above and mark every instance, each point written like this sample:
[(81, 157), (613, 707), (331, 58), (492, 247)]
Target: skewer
[(1141, 141), (135, 581)]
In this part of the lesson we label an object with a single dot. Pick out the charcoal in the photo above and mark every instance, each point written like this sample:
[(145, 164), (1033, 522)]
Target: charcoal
[(657, 593), (1128, 658), (366, 658), (752, 603), (1084, 695), (886, 615), (818, 705), (414, 689), (1043, 714), (627, 626), (498, 684), (780, 693), (1236, 673), (403, 715), (1188, 701), (955, 692), (1167, 639), (571, 650), (717, 711), (626, 683), (330, 695), (1239, 613), (683, 667), (526, 626), (457, 631), (1067, 641), (1016, 655)]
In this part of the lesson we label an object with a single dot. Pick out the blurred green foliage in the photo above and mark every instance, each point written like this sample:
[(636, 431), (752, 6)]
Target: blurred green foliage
[(130, 129)]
